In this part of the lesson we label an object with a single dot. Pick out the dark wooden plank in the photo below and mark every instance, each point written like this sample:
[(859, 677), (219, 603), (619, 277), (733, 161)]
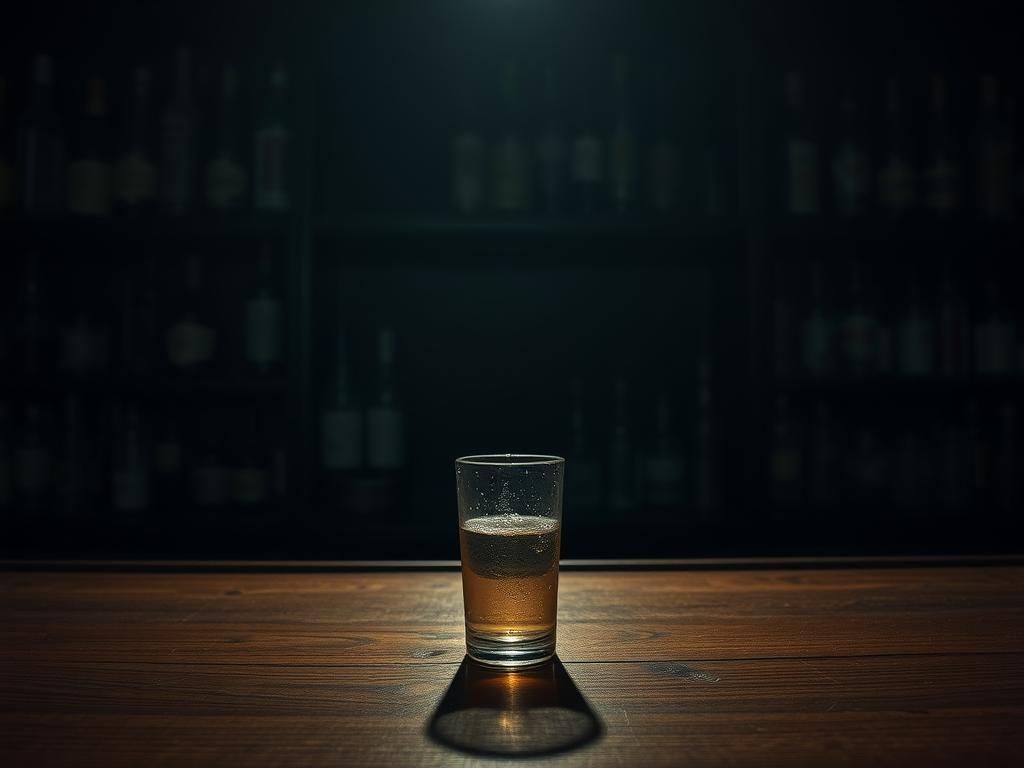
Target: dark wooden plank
[(373, 618), (895, 710)]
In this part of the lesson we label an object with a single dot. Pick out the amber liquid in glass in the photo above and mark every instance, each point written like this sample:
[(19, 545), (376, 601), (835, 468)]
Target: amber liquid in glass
[(510, 576)]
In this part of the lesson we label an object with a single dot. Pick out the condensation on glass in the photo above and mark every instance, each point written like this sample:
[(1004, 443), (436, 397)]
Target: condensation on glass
[(510, 525)]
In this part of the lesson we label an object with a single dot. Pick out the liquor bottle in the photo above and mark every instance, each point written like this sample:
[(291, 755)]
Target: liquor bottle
[(6, 169), (33, 464), (621, 140), (897, 182), (178, 137), (40, 170), (210, 478), (822, 459), (786, 466), (385, 433), (129, 474), (226, 178), (341, 421), (663, 467), (994, 155), (89, 176), (994, 342), (270, 170), (191, 341), (83, 347), (850, 164), (469, 153), (942, 174), (620, 456), (584, 485), (587, 161), (511, 172), (916, 337), (665, 160), (858, 328), (135, 173), (819, 332), (263, 320), (551, 147), (954, 333), (803, 182)]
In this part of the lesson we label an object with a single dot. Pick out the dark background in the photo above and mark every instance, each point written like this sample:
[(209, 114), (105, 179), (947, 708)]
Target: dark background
[(495, 315)]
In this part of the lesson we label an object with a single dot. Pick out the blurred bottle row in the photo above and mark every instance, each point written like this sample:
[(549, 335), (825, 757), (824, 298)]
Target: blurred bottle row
[(150, 322), (176, 162), (665, 459), (914, 149), (922, 328), (973, 459), (552, 158), (897, 158), (362, 439), (80, 463)]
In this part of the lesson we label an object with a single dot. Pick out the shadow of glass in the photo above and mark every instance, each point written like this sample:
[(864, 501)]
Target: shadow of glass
[(523, 712)]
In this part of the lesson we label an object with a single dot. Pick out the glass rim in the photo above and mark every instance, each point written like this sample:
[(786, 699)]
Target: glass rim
[(510, 460)]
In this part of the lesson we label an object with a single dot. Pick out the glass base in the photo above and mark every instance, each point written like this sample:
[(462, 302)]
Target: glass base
[(503, 651)]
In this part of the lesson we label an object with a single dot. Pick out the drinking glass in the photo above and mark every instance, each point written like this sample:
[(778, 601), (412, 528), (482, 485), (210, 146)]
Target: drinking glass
[(510, 525)]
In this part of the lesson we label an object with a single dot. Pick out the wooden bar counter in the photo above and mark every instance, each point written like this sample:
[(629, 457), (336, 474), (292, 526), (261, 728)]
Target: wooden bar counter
[(756, 663)]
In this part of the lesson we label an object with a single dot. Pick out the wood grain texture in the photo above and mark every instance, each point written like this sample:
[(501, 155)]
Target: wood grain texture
[(881, 710), (758, 667), (377, 618)]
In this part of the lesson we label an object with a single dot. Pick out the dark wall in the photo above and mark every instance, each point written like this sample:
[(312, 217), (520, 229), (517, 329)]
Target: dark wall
[(791, 379)]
